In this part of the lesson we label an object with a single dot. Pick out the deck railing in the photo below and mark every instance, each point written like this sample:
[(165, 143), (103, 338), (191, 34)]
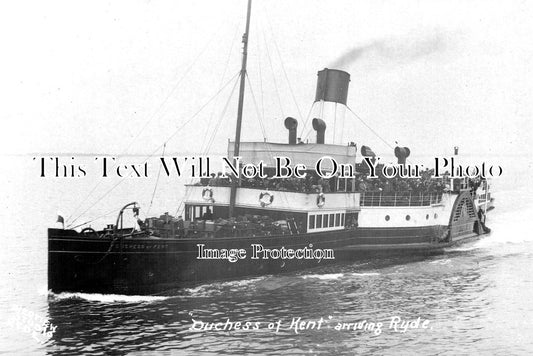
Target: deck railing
[(400, 199)]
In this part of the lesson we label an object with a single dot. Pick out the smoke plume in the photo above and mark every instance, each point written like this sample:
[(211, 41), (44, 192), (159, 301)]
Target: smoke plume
[(393, 49)]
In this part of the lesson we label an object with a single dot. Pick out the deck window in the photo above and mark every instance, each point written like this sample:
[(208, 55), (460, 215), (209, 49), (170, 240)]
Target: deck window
[(194, 212), (325, 221), (197, 212), (342, 184), (350, 185)]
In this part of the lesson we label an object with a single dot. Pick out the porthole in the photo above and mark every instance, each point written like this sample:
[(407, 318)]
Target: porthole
[(407, 217), (387, 218), (435, 216), (427, 216)]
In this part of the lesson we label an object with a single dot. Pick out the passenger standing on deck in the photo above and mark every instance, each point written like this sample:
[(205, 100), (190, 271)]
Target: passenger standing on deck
[(180, 224), (212, 181), (208, 215)]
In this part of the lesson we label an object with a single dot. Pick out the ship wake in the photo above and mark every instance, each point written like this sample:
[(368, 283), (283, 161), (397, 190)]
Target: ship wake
[(106, 298)]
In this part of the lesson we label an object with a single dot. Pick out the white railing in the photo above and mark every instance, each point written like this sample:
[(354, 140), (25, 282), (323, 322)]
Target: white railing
[(400, 199), (282, 200)]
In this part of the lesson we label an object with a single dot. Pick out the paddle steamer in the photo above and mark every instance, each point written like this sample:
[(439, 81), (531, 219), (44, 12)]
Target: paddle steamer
[(247, 227)]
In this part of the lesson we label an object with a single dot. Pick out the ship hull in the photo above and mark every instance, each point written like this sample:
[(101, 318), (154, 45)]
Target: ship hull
[(159, 266)]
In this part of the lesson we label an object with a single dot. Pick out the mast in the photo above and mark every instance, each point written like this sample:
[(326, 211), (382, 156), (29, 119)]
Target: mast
[(237, 144)]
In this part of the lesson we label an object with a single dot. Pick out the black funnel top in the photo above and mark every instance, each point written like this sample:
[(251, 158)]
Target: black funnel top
[(332, 85)]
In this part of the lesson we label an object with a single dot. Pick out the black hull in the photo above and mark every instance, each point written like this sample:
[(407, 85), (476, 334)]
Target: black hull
[(138, 266)]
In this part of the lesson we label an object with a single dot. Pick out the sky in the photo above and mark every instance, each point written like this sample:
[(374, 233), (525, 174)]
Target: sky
[(127, 76)]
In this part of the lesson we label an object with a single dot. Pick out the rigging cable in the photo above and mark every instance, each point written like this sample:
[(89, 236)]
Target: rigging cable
[(273, 74), (208, 148), (156, 181), (283, 194), (305, 122), (259, 117), (334, 123), (364, 123), (321, 103), (260, 81), (206, 151), (221, 82), (169, 94), (99, 217), (150, 119), (256, 108), (343, 121), (160, 146), (283, 66)]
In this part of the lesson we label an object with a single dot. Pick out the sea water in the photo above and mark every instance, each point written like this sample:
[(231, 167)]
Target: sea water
[(473, 299)]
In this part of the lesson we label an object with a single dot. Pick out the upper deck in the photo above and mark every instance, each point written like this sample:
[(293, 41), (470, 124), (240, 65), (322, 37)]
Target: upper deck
[(307, 154), (283, 200), (276, 200)]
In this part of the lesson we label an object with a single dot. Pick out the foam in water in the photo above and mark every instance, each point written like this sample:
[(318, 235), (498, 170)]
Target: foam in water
[(441, 262), (509, 222), (107, 298), (208, 289), (334, 276), (324, 276)]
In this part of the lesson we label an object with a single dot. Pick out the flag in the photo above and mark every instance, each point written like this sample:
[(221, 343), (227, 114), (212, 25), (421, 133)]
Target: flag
[(60, 219)]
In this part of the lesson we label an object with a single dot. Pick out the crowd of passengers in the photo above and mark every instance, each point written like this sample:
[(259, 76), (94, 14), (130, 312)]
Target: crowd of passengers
[(312, 183), (244, 225)]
